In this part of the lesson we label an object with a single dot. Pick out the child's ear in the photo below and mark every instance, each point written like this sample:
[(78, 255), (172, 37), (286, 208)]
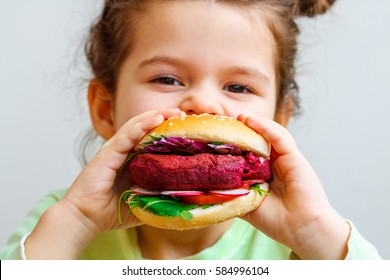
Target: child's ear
[(284, 111), (100, 103)]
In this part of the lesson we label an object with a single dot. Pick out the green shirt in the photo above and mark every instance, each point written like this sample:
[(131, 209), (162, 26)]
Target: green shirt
[(240, 242)]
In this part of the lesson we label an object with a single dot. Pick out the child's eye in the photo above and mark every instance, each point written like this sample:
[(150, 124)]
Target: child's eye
[(237, 88), (166, 80)]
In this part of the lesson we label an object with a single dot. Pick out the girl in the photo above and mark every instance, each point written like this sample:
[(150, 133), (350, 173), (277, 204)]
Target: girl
[(156, 59)]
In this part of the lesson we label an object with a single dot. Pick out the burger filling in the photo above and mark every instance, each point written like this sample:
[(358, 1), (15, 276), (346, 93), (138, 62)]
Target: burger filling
[(174, 175), (197, 172)]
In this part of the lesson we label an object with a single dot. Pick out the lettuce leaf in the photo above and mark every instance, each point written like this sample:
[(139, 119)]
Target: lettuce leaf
[(164, 206), (259, 189), (159, 205)]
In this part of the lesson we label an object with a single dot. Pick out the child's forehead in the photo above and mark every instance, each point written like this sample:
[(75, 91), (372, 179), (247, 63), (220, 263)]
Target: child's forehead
[(198, 23), (198, 15), (255, 13)]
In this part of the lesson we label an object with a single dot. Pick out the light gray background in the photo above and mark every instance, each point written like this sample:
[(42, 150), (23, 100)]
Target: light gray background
[(344, 76)]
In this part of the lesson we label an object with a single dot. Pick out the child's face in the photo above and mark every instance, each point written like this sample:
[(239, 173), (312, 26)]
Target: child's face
[(201, 58)]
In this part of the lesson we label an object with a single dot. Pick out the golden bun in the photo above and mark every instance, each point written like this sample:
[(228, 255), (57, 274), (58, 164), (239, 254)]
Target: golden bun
[(211, 128), (215, 214)]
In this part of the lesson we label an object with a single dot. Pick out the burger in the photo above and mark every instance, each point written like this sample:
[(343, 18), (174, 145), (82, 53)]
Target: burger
[(196, 171)]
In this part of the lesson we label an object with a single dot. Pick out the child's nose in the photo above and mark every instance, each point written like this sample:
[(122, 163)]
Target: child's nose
[(198, 101)]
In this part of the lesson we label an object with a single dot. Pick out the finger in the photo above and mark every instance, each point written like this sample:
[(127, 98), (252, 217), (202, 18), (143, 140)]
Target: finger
[(115, 150), (176, 112), (242, 117), (280, 139), (133, 130)]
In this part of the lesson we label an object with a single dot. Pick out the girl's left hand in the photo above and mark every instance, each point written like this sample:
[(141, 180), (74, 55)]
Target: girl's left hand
[(297, 212)]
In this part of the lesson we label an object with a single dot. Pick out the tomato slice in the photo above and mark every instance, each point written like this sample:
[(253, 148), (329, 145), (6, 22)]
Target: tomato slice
[(205, 199)]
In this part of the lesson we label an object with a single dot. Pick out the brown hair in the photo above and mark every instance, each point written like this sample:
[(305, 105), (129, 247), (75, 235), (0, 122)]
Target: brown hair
[(110, 39)]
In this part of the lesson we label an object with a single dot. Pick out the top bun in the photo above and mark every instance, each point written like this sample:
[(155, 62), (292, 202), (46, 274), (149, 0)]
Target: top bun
[(211, 128)]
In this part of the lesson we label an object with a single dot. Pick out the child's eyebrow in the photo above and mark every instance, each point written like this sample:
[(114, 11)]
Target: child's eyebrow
[(248, 71), (162, 59)]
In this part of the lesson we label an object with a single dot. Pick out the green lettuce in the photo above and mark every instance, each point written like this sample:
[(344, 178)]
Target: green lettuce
[(159, 205)]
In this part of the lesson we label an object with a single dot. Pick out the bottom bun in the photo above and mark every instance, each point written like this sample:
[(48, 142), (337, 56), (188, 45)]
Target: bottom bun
[(205, 217)]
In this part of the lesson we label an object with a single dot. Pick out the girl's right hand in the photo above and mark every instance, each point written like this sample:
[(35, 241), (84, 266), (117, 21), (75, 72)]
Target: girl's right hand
[(90, 205)]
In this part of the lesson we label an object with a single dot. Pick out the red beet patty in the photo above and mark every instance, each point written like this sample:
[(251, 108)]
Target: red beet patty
[(196, 172)]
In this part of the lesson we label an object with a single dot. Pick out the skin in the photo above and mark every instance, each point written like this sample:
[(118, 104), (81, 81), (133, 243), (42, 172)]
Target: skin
[(199, 64)]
